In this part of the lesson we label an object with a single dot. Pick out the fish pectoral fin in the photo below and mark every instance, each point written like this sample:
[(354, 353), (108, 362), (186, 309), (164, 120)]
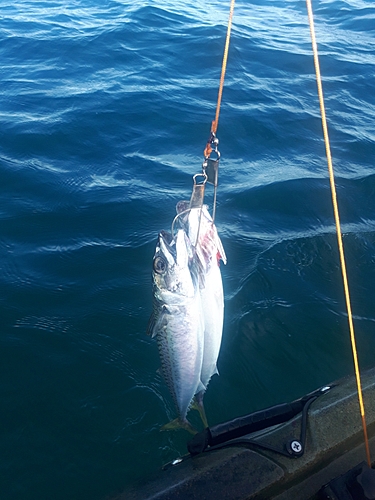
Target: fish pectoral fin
[(157, 321), (167, 310), (151, 325), (177, 424)]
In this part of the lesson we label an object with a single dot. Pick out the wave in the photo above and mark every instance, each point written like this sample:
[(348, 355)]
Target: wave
[(107, 107)]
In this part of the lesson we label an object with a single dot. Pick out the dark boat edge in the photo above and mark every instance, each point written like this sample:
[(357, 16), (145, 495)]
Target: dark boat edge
[(262, 465)]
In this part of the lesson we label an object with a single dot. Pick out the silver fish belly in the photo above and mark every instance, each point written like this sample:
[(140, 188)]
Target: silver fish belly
[(209, 250), (177, 320), (212, 297)]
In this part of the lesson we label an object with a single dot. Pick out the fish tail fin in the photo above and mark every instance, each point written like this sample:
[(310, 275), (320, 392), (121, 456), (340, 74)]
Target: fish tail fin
[(198, 405), (177, 423)]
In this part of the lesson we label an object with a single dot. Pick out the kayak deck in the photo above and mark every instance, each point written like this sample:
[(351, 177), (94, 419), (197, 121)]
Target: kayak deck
[(334, 445)]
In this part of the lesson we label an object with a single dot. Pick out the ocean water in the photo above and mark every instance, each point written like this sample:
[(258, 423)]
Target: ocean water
[(105, 110)]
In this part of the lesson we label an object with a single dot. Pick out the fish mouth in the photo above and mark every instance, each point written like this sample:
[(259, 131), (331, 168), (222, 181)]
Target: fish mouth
[(166, 244), (165, 252)]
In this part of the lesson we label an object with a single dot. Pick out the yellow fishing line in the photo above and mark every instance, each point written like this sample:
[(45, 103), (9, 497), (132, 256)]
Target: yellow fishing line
[(338, 228), (223, 68)]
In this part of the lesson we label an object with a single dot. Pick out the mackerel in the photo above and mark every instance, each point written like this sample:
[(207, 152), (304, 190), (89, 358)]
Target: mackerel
[(209, 251), (177, 320)]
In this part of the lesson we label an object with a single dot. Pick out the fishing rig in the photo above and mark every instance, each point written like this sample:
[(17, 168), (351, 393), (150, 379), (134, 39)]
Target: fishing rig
[(211, 153), (209, 174)]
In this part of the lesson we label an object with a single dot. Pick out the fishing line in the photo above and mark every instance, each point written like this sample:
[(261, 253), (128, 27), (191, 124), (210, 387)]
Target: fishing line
[(223, 69), (211, 166), (338, 227)]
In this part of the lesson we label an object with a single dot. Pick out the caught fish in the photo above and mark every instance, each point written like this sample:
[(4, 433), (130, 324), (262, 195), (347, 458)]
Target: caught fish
[(177, 321), (209, 251)]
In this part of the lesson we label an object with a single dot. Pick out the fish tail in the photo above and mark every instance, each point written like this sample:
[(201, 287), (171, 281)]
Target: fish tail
[(198, 405), (178, 423)]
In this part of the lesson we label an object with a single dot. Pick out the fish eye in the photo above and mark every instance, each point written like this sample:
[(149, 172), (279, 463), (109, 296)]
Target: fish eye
[(159, 265)]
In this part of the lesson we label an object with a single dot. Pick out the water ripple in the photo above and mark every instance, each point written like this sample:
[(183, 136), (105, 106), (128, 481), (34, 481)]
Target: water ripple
[(105, 113)]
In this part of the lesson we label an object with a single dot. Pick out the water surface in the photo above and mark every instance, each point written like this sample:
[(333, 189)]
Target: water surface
[(105, 111)]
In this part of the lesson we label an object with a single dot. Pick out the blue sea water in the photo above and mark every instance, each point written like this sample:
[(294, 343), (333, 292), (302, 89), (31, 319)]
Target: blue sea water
[(105, 110)]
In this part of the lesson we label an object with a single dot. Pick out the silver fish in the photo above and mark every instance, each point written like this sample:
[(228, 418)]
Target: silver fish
[(177, 321), (209, 250)]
